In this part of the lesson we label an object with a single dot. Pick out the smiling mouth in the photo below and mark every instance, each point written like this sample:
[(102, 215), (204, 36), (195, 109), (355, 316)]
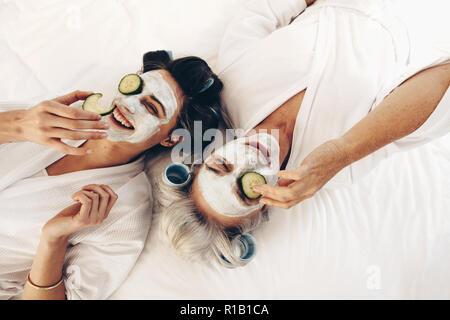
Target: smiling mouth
[(120, 120), (261, 150)]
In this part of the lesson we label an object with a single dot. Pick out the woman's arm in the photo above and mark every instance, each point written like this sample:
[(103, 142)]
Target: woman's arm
[(45, 278), (255, 21), (402, 112), (399, 114), (47, 271), (10, 130), (50, 121)]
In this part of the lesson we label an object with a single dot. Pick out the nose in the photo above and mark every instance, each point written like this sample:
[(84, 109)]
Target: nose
[(130, 109), (128, 104)]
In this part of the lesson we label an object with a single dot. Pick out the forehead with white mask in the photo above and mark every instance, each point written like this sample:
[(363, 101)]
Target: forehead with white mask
[(219, 179), (137, 117)]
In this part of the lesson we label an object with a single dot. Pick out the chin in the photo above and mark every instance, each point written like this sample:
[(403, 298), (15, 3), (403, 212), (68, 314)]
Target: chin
[(115, 136)]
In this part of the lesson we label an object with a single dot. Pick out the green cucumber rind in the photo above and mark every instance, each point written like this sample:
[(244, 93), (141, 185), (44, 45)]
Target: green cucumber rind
[(87, 100), (241, 184), (137, 90)]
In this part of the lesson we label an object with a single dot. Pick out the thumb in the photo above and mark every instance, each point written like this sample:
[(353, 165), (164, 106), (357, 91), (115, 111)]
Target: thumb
[(70, 210), (285, 182), (288, 174)]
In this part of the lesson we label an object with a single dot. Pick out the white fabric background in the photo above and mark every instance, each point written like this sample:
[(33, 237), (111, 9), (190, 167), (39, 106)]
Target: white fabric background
[(385, 237)]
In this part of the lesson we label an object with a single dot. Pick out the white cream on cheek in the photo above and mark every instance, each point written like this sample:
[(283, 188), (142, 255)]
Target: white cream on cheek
[(145, 124), (218, 191)]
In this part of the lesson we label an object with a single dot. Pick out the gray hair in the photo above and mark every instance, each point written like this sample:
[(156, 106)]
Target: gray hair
[(194, 236)]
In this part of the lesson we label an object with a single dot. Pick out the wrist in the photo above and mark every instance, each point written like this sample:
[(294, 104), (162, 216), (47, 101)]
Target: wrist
[(11, 129), (51, 240), (342, 153), (19, 128)]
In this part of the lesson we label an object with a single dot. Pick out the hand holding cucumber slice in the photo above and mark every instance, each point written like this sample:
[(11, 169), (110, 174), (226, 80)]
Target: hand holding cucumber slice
[(130, 84), (248, 181), (91, 104)]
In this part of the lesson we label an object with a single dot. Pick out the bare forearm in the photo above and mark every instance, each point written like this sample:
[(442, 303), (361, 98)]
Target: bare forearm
[(47, 271), (10, 130), (399, 114)]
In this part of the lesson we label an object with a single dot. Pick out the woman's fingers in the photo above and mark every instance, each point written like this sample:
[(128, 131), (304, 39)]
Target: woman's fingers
[(276, 193), (107, 199), (86, 205), (96, 203), (63, 110), (113, 197), (73, 97), (77, 135), (279, 204), (95, 198), (66, 149), (63, 122), (285, 182), (291, 190), (104, 200), (50, 121), (289, 174)]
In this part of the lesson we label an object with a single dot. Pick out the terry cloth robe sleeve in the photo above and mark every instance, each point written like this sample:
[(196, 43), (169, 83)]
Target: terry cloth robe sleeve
[(348, 55), (100, 259), (254, 22)]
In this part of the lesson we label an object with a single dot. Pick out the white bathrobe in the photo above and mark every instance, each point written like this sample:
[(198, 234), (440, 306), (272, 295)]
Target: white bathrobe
[(348, 54), (98, 258)]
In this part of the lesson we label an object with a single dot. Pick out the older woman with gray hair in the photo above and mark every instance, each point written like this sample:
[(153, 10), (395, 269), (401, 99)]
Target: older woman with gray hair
[(342, 84)]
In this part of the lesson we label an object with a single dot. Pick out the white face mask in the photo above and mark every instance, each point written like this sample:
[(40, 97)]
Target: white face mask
[(131, 121), (220, 191)]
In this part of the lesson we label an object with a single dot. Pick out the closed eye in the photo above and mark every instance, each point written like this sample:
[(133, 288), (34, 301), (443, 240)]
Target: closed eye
[(155, 109), (219, 166), (223, 163)]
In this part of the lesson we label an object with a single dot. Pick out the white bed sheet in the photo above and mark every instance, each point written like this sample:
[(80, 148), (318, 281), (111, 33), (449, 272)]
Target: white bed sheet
[(388, 236)]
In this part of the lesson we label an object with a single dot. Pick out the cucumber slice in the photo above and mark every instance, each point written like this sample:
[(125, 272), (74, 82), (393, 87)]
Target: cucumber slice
[(130, 84), (248, 181), (91, 104)]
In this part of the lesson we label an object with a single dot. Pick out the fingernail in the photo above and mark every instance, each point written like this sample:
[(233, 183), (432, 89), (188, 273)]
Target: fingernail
[(88, 151)]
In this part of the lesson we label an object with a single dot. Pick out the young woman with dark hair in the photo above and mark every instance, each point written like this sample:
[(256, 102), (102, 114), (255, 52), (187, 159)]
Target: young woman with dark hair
[(88, 248)]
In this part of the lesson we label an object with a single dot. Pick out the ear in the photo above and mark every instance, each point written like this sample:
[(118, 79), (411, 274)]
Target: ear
[(171, 141)]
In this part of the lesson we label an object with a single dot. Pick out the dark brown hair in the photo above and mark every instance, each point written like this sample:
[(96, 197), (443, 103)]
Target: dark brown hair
[(193, 75)]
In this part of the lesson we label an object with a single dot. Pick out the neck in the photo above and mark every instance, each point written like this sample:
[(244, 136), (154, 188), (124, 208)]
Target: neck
[(107, 154), (104, 154), (281, 124)]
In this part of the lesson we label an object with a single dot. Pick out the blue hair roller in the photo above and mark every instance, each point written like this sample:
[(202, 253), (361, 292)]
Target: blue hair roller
[(216, 114), (170, 53), (207, 85), (176, 175), (243, 247)]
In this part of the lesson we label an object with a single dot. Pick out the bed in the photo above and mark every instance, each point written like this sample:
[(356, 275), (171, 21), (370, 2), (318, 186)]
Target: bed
[(385, 237)]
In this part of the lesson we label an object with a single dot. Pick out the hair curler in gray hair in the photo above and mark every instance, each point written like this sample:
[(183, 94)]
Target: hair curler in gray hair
[(243, 247), (176, 175)]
